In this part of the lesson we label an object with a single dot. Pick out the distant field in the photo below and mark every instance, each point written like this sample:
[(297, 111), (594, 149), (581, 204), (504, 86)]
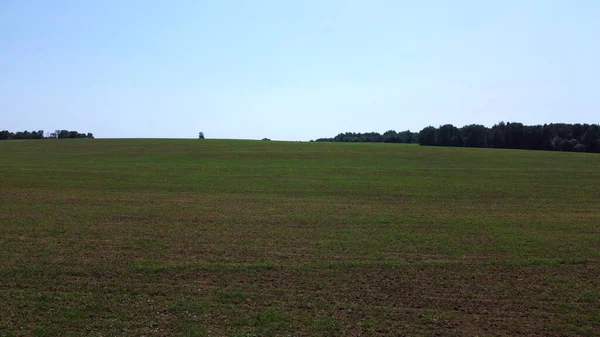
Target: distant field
[(252, 238)]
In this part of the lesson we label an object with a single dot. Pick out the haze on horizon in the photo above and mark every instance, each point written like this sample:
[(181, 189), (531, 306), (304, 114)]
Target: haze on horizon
[(294, 70)]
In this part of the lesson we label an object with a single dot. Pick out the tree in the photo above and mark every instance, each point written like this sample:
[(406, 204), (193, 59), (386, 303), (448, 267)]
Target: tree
[(448, 135), (475, 135), (407, 136), (591, 138), (5, 134), (557, 143), (513, 135), (579, 148), (533, 138), (578, 130), (549, 132), (496, 136), (391, 136), (427, 136), (569, 145), (201, 135), (558, 137)]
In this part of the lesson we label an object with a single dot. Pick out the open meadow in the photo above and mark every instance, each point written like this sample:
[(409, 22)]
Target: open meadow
[(256, 238)]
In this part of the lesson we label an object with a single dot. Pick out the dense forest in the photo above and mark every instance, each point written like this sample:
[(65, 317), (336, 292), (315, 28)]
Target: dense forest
[(374, 137), (556, 137), (58, 134)]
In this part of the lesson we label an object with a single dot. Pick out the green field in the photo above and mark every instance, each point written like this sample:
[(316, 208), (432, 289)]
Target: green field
[(252, 238)]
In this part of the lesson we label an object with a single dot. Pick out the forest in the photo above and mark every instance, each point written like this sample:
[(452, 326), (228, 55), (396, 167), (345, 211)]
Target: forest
[(58, 134), (390, 136), (556, 136)]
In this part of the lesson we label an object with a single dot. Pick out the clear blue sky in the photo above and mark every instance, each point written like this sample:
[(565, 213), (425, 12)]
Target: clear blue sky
[(294, 70)]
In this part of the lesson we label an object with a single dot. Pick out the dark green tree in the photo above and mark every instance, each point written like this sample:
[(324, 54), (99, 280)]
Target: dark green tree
[(475, 135), (427, 136), (591, 138), (448, 135), (557, 143), (496, 136)]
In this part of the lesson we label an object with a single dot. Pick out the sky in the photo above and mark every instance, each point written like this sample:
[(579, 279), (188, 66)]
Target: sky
[(294, 70)]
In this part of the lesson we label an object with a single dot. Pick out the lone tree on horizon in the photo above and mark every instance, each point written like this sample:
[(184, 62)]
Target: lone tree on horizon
[(201, 135)]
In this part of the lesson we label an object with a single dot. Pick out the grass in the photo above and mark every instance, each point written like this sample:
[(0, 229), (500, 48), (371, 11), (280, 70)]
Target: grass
[(250, 238)]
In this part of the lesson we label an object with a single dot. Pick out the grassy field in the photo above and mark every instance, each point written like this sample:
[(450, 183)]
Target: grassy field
[(250, 238)]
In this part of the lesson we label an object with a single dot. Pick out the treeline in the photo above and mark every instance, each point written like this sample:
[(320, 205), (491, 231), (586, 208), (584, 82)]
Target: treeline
[(374, 137), (58, 134), (556, 137)]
